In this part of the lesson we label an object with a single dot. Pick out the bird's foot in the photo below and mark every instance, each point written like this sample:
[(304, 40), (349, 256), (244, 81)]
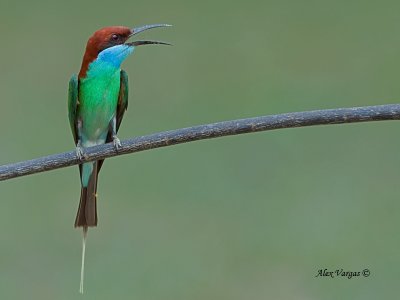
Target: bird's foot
[(79, 151), (116, 142)]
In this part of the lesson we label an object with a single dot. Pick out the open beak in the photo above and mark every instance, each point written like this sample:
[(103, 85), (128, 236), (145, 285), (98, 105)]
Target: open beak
[(140, 29)]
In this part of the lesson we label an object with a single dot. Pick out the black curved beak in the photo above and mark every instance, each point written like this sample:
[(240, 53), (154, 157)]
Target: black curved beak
[(139, 43), (140, 29)]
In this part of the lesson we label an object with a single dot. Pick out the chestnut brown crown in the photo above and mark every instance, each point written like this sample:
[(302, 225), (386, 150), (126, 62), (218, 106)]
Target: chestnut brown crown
[(102, 39), (111, 36)]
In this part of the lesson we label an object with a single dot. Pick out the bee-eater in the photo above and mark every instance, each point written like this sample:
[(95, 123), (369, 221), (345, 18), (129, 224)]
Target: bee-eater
[(98, 98)]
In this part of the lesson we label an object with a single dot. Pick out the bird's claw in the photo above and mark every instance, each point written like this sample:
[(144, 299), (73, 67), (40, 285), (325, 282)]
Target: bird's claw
[(79, 151), (116, 142)]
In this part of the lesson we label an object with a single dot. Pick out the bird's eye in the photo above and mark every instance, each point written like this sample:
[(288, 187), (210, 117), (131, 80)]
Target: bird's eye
[(115, 37)]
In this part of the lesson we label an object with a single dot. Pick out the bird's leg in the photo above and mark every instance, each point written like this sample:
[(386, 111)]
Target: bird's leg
[(79, 150), (116, 141), (79, 147)]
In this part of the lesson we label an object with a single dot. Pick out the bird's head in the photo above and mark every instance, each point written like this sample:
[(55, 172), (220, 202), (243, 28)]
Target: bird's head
[(111, 45)]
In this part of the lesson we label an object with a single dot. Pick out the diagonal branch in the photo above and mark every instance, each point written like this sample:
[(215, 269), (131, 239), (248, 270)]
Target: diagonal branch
[(202, 132)]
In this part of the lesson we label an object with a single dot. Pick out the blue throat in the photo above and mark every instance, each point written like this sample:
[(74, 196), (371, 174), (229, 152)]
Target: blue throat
[(109, 59)]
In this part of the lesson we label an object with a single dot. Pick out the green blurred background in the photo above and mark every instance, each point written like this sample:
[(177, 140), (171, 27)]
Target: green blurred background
[(246, 217)]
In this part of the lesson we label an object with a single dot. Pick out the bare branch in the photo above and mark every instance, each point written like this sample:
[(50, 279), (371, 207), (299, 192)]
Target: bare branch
[(202, 132)]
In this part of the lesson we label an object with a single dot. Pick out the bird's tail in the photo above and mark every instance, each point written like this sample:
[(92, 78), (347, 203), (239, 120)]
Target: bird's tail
[(87, 210)]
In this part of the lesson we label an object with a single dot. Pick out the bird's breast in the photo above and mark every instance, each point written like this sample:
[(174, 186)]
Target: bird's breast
[(98, 97)]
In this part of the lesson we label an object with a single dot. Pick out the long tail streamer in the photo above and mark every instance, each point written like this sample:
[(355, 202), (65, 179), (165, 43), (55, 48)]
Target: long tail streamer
[(85, 230)]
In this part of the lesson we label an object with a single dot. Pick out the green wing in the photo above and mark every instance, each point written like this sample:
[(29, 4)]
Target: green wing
[(73, 103), (122, 105)]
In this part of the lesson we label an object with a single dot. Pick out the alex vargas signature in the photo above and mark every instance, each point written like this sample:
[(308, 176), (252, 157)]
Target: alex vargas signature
[(342, 273)]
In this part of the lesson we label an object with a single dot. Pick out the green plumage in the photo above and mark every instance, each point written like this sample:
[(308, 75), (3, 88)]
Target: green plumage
[(92, 104), (98, 105), (74, 104)]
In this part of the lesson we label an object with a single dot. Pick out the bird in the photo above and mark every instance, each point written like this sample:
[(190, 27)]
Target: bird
[(97, 101)]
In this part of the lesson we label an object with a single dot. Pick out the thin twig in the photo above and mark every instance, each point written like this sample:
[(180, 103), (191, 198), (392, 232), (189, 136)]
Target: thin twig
[(202, 132)]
